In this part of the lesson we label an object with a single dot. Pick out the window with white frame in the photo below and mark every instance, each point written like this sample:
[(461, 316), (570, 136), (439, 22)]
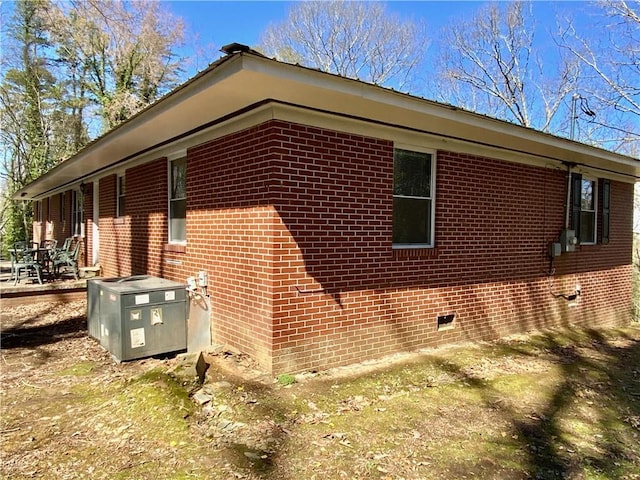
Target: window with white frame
[(413, 198), (77, 213), (121, 191), (178, 200)]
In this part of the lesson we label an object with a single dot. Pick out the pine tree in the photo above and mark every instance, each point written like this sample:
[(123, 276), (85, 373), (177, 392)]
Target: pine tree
[(25, 101)]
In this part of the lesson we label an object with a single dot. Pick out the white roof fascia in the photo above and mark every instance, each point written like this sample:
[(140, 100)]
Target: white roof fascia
[(240, 80), (358, 89)]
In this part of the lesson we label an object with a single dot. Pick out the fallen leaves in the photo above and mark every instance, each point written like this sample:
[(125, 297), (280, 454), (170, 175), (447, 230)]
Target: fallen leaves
[(71, 412)]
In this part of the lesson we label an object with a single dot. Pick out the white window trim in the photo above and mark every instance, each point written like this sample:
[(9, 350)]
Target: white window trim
[(75, 195), (176, 156), (432, 152), (595, 208), (118, 195), (95, 221)]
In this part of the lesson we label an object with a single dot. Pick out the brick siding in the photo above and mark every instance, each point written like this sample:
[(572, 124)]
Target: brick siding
[(230, 225), (343, 294), (56, 221), (294, 226), (115, 233)]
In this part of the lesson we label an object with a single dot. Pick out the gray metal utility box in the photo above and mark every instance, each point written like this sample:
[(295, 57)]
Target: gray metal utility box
[(138, 316)]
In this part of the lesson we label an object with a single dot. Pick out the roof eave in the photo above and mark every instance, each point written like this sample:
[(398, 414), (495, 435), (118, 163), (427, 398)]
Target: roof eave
[(244, 78)]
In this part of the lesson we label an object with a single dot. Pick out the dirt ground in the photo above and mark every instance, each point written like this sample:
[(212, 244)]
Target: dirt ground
[(562, 404)]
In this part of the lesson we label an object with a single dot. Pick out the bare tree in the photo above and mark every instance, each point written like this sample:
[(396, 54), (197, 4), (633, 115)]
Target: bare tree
[(609, 53), (489, 64), (125, 50), (354, 39)]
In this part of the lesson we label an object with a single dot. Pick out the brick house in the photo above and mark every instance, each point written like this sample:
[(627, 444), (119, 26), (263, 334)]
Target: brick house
[(339, 221)]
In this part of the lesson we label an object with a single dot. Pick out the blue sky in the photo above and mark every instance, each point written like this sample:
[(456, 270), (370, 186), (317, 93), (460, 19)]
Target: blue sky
[(212, 24), (222, 22)]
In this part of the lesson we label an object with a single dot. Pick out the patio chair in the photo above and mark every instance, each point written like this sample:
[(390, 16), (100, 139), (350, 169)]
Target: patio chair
[(17, 247), (67, 259), (66, 244), (24, 259), (46, 251), (49, 244)]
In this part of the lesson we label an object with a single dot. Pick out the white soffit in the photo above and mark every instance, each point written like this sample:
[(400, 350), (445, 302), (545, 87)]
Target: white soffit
[(314, 89), (242, 80)]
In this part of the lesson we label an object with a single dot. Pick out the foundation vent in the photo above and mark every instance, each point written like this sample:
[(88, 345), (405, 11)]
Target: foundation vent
[(446, 322)]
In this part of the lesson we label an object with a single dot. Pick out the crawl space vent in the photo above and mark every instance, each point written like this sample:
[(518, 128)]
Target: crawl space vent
[(446, 321)]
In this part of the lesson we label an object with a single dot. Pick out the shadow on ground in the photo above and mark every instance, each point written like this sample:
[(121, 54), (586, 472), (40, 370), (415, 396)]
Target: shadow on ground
[(32, 336), (596, 371)]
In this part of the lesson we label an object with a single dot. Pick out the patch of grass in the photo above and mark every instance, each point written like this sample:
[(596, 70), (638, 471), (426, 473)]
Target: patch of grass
[(550, 407), (517, 388), (285, 379), (162, 402), (79, 369)]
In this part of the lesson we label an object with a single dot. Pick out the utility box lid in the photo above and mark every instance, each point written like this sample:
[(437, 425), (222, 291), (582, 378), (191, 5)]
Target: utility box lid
[(138, 283)]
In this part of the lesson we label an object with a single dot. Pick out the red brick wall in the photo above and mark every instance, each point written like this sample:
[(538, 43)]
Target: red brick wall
[(146, 209), (134, 243), (48, 210), (342, 293), (57, 224), (61, 220), (294, 224), (230, 224), (115, 233)]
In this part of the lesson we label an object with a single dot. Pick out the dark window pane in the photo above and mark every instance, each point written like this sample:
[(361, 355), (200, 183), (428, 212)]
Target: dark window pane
[(63, 200), (120, 206), (587, 227), (178, 215), (411, 221), (179, 178), (412, 174), (77, 213), (121, 193)]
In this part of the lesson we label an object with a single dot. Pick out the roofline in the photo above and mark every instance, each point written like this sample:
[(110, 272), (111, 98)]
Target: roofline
[(96, 143), (495, 151), (452, 110), (251, 60)]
